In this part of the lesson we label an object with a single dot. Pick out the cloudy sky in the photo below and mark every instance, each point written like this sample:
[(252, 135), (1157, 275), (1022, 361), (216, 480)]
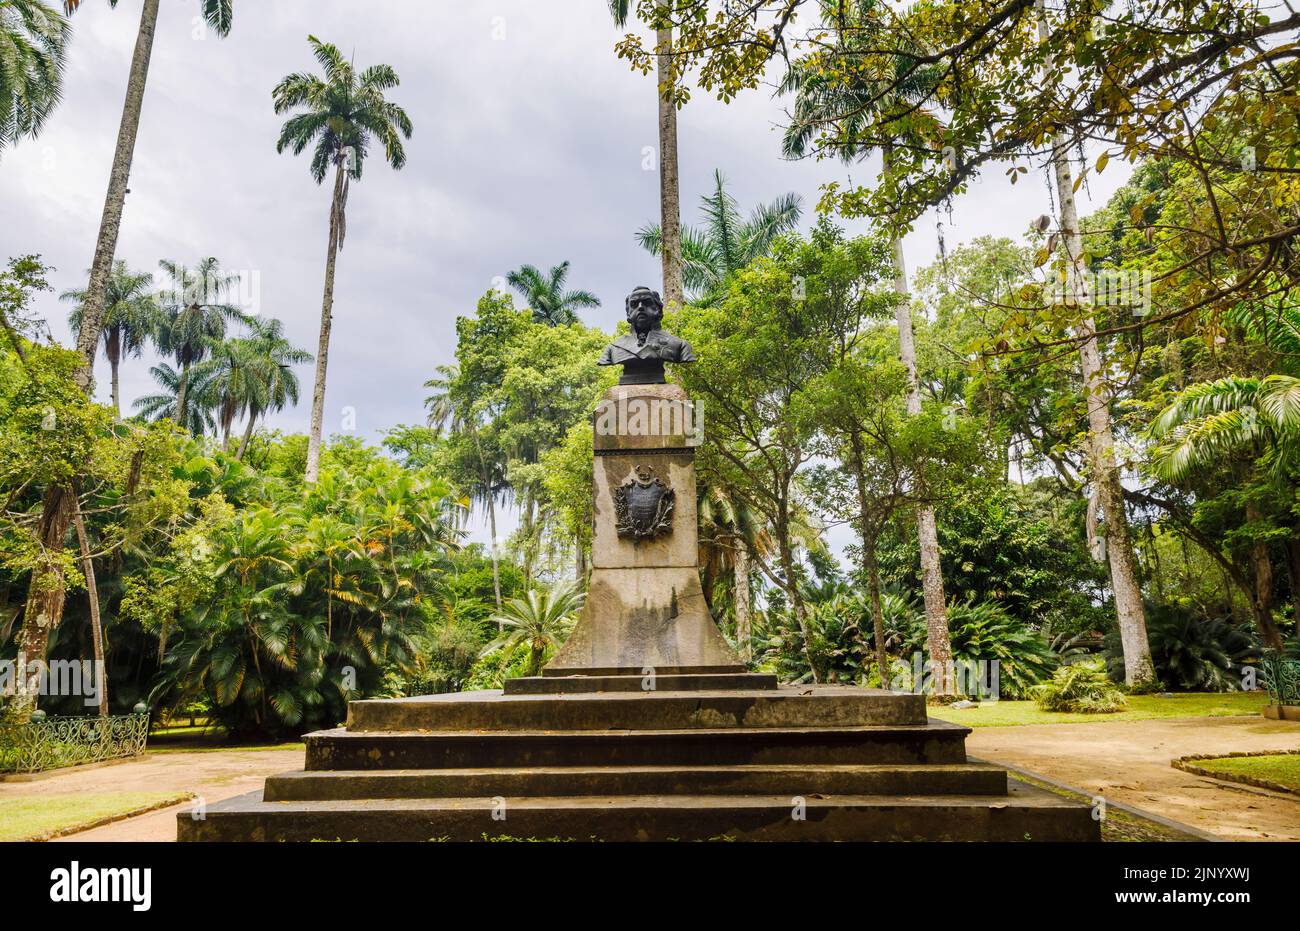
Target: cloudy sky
[(530, 144)]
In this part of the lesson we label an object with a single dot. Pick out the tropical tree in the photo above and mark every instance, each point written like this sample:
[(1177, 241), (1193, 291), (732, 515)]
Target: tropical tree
[(670, 210), (132, 318), (726, 242), (341, 113), (549, 301), (218, 15), (1211, 420), (539, 621), (851, 99), (194, 317), (270, 360), (33, 37), (166, 404)]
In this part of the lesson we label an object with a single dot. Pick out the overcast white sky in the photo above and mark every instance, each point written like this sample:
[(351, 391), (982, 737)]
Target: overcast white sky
[(529, 147)]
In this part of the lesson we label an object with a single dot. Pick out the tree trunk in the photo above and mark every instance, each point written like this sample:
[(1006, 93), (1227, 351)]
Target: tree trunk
[(786, 552), (1130, 613), (326, 319), (927, 533), (744, 631), (92, 312), (92, 594), (1262, 596), (670, 223), (46, 593), (579, 563), (248, 435), (182, 393), (113, 350)]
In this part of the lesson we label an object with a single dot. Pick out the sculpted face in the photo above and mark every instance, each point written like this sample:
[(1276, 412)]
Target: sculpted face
[(644, 310)]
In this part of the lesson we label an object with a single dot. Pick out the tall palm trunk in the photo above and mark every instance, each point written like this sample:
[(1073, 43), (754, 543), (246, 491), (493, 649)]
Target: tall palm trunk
[(1262, 596), (670, 222), (248, 434), (1129, 610), (182, 394), (92, 314), (785, 550), (744, 632), (927, 533), (326, 320), (44, 608), (113, 350), (92, 593)]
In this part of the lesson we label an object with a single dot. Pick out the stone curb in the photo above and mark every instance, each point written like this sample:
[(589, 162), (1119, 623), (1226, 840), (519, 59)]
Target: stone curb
[(1188, 765)]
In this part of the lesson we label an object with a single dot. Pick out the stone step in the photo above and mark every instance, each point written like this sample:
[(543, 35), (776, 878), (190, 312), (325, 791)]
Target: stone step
[(935, 742), (944, 779), (821, 706), (699, 682), (1025, 813)]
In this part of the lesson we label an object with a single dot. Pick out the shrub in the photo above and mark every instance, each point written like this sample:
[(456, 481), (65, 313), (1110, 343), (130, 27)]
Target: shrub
[(984, 631), (1190, 652), (1083, 688)]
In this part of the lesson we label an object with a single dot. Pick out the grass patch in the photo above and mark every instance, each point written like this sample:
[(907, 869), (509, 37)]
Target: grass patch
[(1277, 771), (207, 740), (219, 746), (1139, 708), (54, 815)]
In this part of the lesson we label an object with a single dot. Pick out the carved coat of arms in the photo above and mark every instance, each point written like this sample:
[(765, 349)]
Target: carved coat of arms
[(643, 506)]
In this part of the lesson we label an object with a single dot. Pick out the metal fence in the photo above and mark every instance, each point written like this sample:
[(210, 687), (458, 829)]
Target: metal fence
[(40, 745), (1281, 677)]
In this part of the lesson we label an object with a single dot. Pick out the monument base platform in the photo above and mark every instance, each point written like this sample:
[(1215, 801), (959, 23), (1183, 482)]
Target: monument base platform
[(696, 763)]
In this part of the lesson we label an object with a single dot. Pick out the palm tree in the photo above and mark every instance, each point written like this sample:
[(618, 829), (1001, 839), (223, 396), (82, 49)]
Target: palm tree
[(228, 380), (545, 294), (540, 620), (726, 242), (271, 360), (341, 113), (33, 37), (166, 404), (194, 317), (1210, 420), (824, 97), (670, 210), (131, 318), (218, 14)]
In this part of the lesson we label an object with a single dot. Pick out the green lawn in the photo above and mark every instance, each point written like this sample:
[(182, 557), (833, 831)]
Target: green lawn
[(206, 740), (1140, 708), (36, 818), (1280, 769)]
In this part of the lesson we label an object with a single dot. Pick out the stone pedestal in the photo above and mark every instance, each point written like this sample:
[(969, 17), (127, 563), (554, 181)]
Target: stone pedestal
[(645, 609)]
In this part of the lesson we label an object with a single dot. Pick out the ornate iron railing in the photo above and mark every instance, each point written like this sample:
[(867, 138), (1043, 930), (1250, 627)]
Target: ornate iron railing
[(1281, 677), (40, 745)]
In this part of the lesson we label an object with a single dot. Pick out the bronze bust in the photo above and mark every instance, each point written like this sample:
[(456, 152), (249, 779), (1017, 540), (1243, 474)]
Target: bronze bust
[(643, 352)]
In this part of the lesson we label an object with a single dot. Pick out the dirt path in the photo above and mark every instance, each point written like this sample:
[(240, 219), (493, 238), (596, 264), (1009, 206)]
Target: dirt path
[(1128, 761), (211, 776)]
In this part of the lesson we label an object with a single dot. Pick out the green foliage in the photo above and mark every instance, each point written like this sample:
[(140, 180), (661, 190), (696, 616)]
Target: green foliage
[(538, 622), (984, 632), (1080, 688), (1192, 653)]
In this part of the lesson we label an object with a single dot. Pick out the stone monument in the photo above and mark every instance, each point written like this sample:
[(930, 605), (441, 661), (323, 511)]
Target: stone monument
[(645, 611), (645, 725)]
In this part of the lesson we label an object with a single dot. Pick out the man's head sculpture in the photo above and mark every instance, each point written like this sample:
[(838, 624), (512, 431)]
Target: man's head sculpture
[(645, 309), (643, 352)]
